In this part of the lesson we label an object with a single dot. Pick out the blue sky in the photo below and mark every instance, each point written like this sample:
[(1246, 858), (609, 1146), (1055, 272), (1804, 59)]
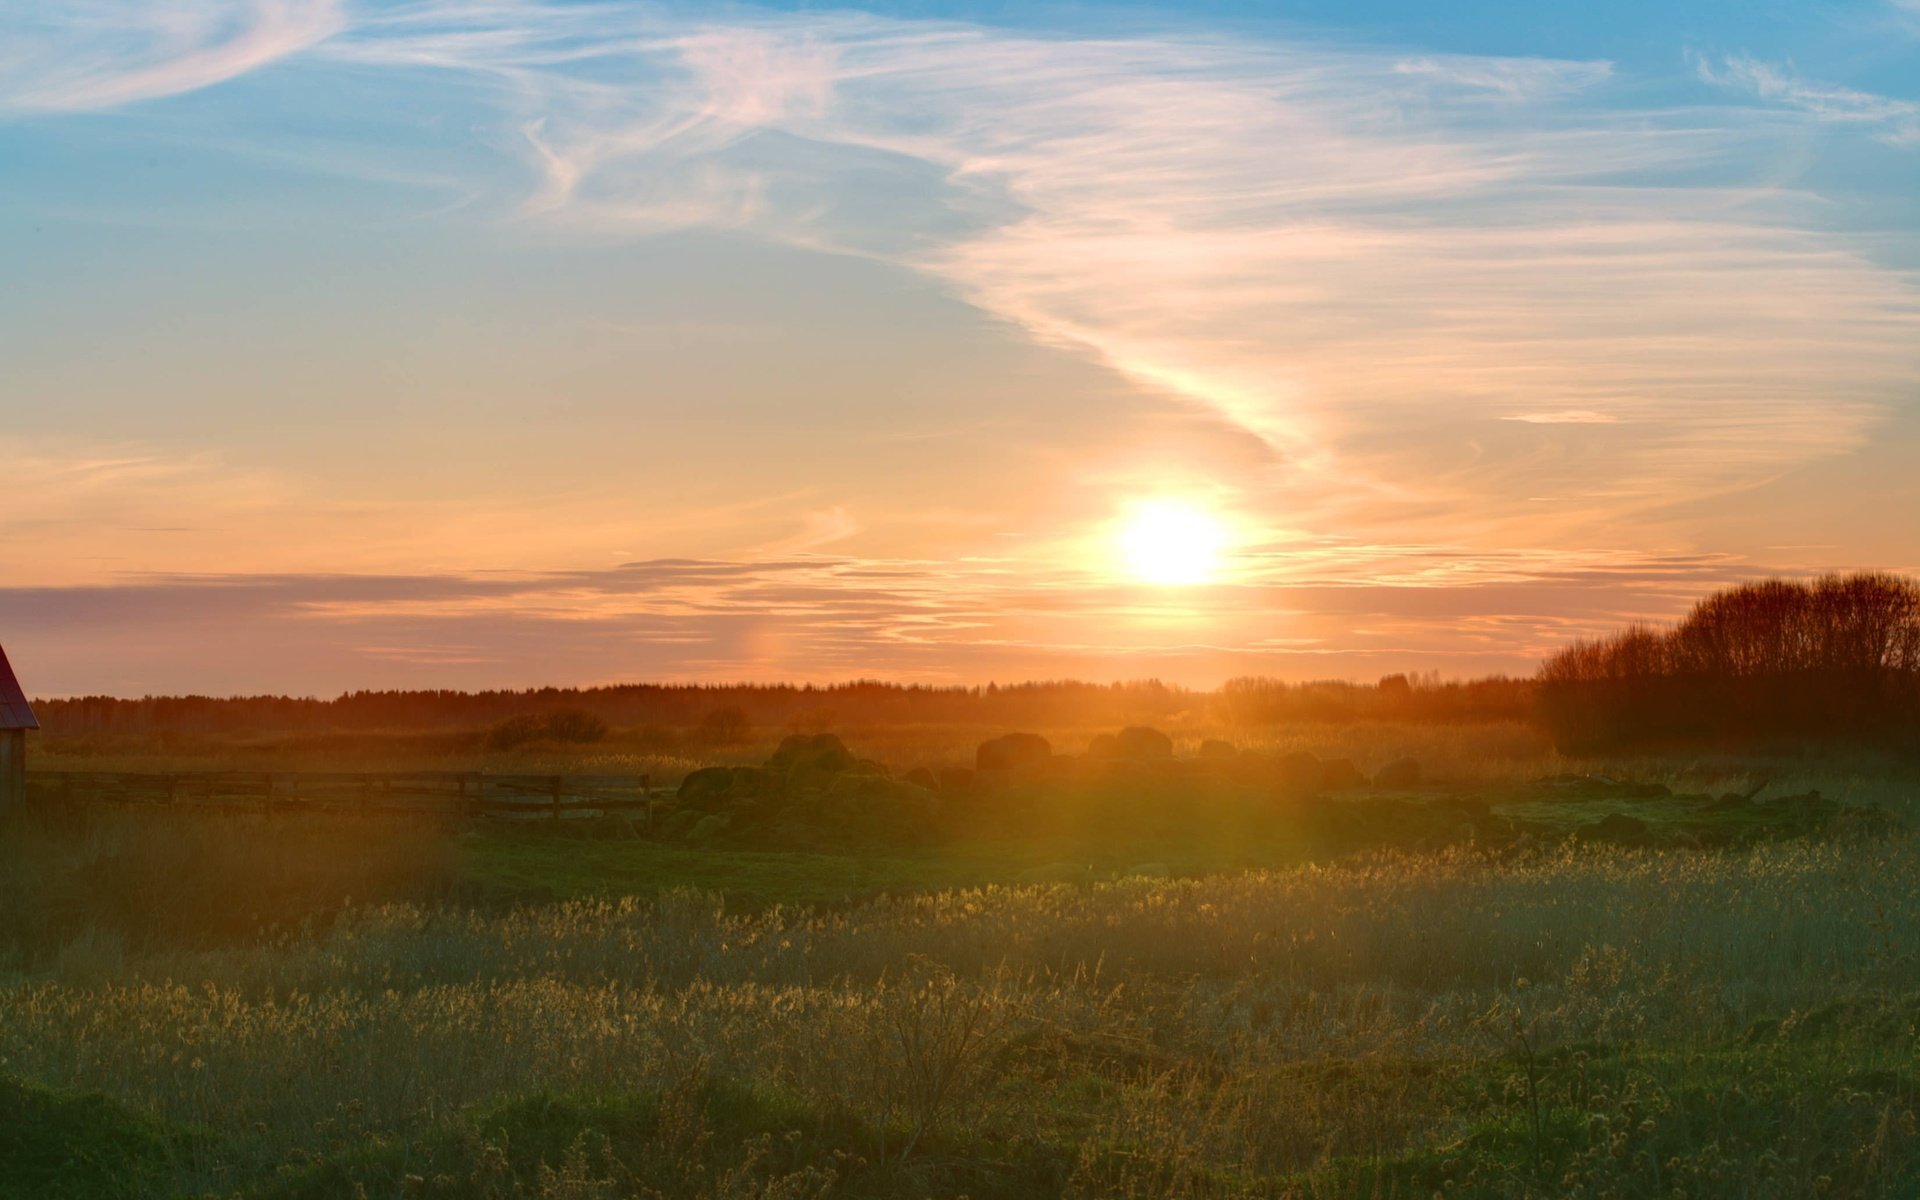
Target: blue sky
[(461, 343)]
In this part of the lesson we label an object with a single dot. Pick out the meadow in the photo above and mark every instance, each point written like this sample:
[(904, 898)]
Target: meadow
[(195, 1004)]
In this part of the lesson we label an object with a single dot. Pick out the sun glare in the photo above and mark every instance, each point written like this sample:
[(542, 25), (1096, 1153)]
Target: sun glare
[(1171, 542)]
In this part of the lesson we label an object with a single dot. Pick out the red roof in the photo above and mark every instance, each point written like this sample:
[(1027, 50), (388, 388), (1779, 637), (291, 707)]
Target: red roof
[(15, 713)]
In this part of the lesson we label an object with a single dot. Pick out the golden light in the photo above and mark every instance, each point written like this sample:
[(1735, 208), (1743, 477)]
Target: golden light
[(1171, 542)]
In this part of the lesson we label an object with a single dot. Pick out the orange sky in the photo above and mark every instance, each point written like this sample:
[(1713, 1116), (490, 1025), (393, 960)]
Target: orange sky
[(470, 345)]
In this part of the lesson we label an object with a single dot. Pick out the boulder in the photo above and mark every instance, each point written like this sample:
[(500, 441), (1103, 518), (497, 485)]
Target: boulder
[(1103, 747), (1614, 827), (1012, 751), (814, 754), (677, 825), (1340, 775), (709, 827), (754, 783), (612, 827), (955, 779), (1215, 748), (708, 787), (876, 805), (1140, 742), (1399, 774), (923, 777), (1298, 772)]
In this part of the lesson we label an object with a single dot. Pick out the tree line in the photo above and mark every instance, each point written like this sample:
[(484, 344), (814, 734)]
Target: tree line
[(722, 712), (1832, 658), (1836, 658)]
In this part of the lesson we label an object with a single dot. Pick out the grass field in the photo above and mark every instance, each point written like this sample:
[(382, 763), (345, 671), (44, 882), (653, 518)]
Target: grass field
[(322, 1007)]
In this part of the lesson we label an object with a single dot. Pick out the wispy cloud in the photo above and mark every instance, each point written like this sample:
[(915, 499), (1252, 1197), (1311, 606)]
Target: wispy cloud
[(1892, 120), (813, 617), (92, 54), (1355, 256), (1564, 416)]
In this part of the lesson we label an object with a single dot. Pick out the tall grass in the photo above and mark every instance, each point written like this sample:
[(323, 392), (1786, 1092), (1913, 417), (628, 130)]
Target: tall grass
[(1600, 1022)]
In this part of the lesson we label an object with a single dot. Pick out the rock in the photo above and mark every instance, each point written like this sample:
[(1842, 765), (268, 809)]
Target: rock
[(1298, 772), (923, 777), (677, 825), (754, 783), (1215, 748), (815, 754), (885, 807), (612, 827), (1340, 775), (1103, 747), (955, 779), (1400, 774), (706, 788), (1152, 870), (1614, 827), (1140, 742), (1060, 872), (709, 827), (1012, 751)]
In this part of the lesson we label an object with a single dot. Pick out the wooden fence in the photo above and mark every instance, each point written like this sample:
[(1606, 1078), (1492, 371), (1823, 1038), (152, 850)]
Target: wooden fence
[(449, 793)]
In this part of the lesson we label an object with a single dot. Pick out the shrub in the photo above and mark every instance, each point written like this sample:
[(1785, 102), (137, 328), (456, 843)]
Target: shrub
[(575, 726), (724, 725), (570, 726)]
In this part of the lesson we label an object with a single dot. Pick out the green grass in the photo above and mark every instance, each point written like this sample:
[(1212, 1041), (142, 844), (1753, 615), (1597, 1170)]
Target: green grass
[(528, 866), (66, 1146), (1189, 831), (1380, 1013)]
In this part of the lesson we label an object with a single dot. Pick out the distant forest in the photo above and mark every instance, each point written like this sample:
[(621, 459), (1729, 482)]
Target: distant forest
[(1836, 658), (722, 711)]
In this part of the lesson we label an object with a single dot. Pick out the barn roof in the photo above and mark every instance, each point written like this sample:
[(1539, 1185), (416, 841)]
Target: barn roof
[(15, 713)]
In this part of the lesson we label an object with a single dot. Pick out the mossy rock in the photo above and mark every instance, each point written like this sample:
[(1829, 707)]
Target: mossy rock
[(1399, 775), (707, 787), (1340, 775), (816, 754), (1012, 751), (1142, 743)]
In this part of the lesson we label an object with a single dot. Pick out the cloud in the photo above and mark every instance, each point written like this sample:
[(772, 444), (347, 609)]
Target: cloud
[(94, 54), (1565, 416), (1323, 610), (1894, 121), (1357, 257)]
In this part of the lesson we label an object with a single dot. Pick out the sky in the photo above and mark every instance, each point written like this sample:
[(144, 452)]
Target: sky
[(477, 343)]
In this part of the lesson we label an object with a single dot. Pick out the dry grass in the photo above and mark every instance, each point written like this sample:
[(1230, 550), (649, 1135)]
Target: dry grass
[(1560, 1025)]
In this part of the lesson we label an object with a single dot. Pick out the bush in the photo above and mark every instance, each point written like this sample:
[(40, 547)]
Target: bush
[(514, 732), (569, 726), (724, 726), (575, 726)]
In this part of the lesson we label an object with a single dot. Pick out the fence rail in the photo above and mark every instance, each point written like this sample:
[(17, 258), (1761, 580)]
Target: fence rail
[(453, 793)]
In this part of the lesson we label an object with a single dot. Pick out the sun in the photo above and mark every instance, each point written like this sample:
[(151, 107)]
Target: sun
[(1170, 542)]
